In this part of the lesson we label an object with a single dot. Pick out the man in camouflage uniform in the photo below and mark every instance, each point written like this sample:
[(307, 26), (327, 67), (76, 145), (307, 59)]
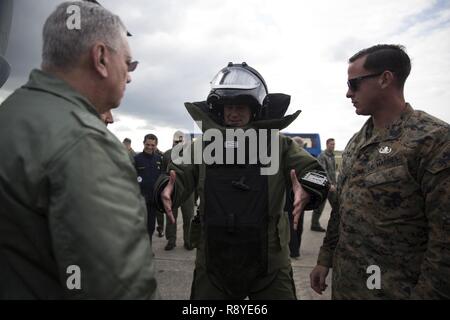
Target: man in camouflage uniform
[(326, 160), (390, 238)]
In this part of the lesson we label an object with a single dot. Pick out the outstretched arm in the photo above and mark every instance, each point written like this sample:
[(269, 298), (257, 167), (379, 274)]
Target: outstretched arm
[(301, 198)]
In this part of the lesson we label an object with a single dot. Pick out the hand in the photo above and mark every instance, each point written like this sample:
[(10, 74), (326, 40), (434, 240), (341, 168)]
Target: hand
[(301, 198), (332, 188), (166, 196), (317, 277)]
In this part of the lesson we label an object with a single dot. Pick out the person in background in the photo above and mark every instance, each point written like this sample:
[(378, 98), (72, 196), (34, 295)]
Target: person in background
[(149, 165), (127, 143), (328, 163), (187, 208)]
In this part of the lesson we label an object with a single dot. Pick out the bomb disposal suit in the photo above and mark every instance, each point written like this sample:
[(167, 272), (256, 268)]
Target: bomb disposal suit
[(242, 233)]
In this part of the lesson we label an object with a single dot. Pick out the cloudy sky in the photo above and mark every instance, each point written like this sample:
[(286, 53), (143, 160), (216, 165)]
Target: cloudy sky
[(300, 47)]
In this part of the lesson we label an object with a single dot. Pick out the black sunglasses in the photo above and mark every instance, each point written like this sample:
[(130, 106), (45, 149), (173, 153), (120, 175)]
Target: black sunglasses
[(131, 64), (353, 84)]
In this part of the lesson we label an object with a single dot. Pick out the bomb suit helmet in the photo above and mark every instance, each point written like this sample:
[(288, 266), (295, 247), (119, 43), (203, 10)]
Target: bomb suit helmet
[(238, 83)]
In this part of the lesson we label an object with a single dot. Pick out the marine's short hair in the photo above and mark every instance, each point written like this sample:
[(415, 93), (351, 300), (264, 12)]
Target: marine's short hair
[(383, 57)]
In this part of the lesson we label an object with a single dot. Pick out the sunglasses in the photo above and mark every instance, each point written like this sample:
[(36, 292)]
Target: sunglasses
[(353, 84), (131, 64)]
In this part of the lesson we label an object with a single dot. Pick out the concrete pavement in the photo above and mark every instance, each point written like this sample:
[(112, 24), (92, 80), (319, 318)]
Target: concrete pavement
[(174, 269)]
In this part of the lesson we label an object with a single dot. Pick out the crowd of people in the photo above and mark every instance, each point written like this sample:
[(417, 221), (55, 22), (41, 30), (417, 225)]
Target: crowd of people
[(71, 194)]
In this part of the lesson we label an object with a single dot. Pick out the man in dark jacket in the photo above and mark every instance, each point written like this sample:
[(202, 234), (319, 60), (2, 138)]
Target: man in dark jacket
[(149, 166), (328, 163)]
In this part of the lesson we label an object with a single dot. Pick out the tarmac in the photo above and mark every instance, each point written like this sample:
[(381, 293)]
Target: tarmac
[(174, 268)]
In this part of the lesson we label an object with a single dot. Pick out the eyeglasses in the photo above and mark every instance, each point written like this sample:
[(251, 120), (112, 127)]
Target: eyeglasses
[(353, 84), (131, 64)]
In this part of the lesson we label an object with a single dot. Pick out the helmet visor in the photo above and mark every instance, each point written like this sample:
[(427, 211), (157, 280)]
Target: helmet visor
[(235, 78)]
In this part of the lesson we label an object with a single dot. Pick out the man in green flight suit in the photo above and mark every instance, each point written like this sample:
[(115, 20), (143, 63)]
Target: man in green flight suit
[(72, 220), (243, 233)]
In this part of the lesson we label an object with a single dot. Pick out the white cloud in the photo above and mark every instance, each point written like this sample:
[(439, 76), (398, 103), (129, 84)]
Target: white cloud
[(134, 128)]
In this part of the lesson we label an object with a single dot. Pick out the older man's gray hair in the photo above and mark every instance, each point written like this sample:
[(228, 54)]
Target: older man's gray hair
[(63, 46)]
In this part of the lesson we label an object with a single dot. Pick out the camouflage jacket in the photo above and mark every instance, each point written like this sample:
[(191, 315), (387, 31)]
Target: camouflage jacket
[(328, 163), (394, 212)]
